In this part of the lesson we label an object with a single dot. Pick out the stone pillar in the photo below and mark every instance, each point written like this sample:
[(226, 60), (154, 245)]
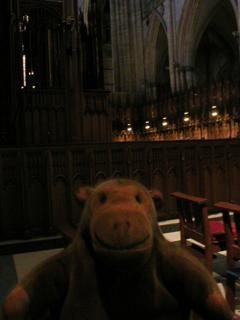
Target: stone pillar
[(172, 62), (127, 45), (74, 90), (189, 76), (236, 33)]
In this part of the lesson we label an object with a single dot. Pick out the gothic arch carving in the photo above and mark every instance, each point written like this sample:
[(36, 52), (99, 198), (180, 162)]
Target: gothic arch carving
[(191, 30), (158, 180), (191, 185), (27, 7), (153, 29), (117, 174), (101, 176), (186, 31), (138, 176)]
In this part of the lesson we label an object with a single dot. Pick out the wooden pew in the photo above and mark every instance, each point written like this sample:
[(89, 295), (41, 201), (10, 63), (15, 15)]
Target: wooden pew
[(232, 231), (208, 235)]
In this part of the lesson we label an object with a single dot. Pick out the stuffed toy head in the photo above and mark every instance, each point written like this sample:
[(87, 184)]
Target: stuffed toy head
[(120, 220)]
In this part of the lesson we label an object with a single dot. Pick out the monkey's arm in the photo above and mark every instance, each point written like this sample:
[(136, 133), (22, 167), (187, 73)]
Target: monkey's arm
[(187, 278), (41, 289)]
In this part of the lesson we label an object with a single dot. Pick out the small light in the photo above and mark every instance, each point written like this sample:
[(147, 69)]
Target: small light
[(214, 114), (147, 127), (129, 129), (33, 87), (214, 107), (186, 118), (164, 123)]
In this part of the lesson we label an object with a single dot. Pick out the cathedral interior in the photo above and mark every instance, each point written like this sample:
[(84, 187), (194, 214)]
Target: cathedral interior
[(97, 71), (98, 89), (148, 90)]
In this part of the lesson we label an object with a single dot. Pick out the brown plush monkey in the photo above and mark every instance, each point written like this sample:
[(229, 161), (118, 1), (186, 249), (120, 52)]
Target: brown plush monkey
[(119, 267)]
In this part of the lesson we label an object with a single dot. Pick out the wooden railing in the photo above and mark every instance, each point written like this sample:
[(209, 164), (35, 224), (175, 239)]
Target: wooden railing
[(37, 185)]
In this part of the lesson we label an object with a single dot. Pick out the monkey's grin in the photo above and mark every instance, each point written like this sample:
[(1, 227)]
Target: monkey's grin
[(120, 247)]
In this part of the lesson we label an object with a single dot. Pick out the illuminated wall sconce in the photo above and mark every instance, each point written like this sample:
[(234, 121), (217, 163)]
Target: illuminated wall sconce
[(147, 125), (214, 111), (164, 123), (129, 128), (186, 117)]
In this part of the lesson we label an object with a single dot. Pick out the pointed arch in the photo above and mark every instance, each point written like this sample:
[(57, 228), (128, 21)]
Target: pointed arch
[(196, 16), (100, 176), (186, 32), (117, 174), (156, 21)]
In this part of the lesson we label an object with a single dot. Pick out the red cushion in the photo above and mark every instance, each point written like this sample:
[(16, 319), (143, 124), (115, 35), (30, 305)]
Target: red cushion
[(218, 232)]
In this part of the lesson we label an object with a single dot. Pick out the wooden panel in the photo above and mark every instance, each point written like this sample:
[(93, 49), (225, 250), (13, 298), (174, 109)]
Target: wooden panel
[(234, 171), (12, 196), (207, 183), (118, 162), (38, 184), (45, 118), (12, 220), (235, 190), (77, 209), (220, 193), (60, 205), (38, 220)]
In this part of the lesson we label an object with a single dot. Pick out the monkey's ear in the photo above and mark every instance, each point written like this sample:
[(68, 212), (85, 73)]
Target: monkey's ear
[(157, 198), (83, 194)]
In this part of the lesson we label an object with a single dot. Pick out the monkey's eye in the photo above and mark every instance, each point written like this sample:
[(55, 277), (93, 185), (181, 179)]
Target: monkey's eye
[(103, 198), (138, 199)]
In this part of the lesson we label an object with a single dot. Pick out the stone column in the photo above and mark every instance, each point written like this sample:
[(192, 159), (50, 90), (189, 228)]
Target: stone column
[(236, 33), (127, 45), (74, 90), (171, 46)]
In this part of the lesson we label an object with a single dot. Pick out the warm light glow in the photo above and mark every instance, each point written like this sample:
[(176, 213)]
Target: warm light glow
[(164, 123), (24, 70), (214, 111), (129, 127), (186, 118), (147, 127)]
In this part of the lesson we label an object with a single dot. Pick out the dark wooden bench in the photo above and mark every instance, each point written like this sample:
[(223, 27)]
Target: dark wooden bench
[(232, 231), (67, 231), (208, 236)]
